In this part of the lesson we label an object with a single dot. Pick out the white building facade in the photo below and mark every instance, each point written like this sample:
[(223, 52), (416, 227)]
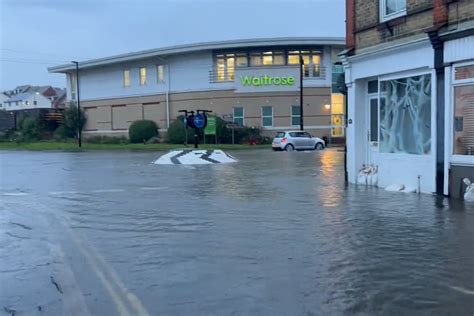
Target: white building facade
[(410, 96), (254, 81)]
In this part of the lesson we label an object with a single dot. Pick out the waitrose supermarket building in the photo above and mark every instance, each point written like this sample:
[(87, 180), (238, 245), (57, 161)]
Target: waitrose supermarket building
[(251, 82)]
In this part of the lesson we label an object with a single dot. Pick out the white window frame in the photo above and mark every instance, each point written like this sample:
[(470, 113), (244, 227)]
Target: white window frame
[(266, 116), (291, 116), (460, 159), (387, 17), (243, 114), (160, 78)]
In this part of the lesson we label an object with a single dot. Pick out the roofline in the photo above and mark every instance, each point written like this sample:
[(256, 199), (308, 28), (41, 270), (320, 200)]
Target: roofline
[(187, 48)]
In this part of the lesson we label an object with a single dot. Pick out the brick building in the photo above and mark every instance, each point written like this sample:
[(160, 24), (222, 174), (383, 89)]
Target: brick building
[(409, 68)]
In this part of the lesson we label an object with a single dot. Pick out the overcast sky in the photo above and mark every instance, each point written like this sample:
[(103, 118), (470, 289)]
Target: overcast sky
[(36, 34)]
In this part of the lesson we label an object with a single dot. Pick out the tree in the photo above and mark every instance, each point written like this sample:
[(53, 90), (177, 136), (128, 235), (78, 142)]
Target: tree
[(72, 121)]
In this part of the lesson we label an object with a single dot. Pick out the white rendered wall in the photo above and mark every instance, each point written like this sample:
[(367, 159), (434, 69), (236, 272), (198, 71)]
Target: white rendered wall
[(183, 73), (393, 168)]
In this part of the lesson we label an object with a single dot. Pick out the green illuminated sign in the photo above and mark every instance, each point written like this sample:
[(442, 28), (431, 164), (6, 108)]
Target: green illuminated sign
[(210, 128), (267, 81)]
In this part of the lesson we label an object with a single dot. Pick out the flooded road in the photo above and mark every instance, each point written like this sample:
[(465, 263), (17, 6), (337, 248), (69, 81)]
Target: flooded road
[(108, 233)]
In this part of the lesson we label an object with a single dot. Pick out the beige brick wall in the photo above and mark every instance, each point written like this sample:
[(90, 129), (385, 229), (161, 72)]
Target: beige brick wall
[(116, 115), (419, 18), (461, 11)]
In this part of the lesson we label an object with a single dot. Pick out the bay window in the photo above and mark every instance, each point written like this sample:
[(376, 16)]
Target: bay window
[(463, 125)]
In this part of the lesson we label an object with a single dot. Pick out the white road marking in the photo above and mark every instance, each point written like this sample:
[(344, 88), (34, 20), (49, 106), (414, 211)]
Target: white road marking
[(462, 290), (63, 192), (107, 190), (15, 193)]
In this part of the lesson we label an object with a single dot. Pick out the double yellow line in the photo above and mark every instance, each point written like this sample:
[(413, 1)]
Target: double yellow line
[(109, 279), (126, 303)]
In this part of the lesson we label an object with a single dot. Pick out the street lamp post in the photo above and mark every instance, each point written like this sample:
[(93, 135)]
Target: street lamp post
[(301, 92), (79, 132)]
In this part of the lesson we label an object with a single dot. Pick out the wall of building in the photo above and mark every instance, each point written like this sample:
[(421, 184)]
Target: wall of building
[(393, 168), (421, 16), (114, 116), (183, 73)]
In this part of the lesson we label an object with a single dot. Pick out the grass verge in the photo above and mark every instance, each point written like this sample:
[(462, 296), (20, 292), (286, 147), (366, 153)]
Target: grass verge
[(71, 146)]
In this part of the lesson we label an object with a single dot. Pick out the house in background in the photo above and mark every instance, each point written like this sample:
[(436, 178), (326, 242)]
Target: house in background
[(409, 69), (3, 98), (27, 101), (33, 97)]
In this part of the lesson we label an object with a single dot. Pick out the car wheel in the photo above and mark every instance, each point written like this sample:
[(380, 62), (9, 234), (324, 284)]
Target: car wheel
[(289, 147), (319, 146)]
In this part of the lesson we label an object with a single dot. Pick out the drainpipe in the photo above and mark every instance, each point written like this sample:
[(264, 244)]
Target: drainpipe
[(167, 99), (438, 47)]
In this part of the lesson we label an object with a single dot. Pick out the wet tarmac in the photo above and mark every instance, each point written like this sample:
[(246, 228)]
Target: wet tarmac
[(108, 233)]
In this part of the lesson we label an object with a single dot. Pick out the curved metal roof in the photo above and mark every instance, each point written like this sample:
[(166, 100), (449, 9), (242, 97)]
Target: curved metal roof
[(180, 49)]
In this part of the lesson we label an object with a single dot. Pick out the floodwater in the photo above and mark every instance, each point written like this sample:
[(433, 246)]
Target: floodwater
[(109, 233)]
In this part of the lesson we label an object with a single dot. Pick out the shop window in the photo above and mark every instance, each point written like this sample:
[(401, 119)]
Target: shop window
[(239, 115), (337, 114), (390, 9), (463, 142), (160, 73), (295, 115), (405, 116), (267, 116), (142, 73)]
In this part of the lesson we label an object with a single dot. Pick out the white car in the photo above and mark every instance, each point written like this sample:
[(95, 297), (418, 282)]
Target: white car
[(297, 140)]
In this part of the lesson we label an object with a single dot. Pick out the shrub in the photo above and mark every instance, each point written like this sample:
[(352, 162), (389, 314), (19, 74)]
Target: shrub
[(247, 135), (106, 140), (177, 132), (141, 131), (29, 129), (60, 133), (72, 121)]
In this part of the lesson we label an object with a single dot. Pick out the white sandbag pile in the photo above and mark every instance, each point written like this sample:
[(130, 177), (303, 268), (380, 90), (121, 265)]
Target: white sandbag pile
[(368, 175), (469, 195)]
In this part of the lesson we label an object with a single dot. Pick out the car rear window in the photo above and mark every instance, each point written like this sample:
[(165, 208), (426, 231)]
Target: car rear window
[(280, 134)]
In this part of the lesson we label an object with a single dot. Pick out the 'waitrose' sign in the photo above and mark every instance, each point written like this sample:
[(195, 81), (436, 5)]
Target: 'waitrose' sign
[(267, 81)]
